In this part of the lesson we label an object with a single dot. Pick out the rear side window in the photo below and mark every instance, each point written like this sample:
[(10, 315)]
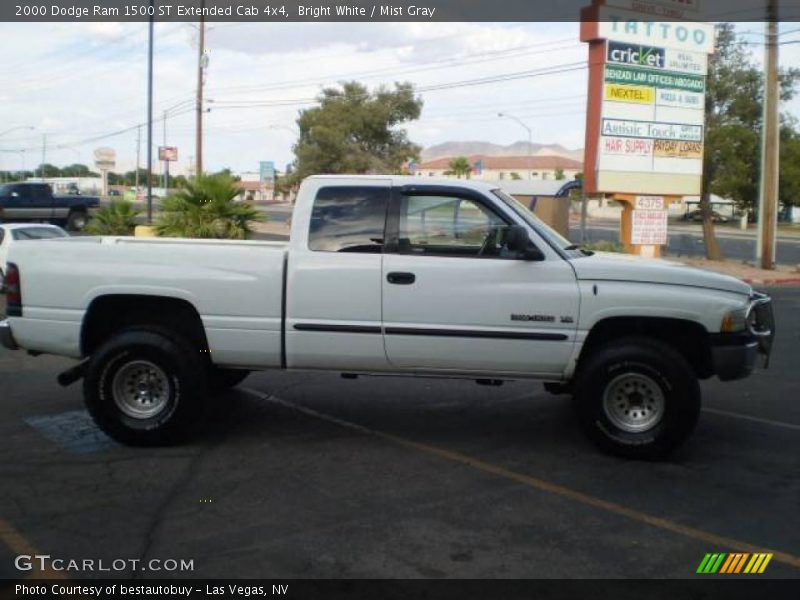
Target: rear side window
[(37, 233), (349, 219)]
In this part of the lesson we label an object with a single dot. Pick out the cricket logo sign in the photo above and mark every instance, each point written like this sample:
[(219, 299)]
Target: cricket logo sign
[(635, 55)]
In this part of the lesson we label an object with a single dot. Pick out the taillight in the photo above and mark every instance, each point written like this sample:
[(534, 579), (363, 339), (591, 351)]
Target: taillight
[(13, 291)]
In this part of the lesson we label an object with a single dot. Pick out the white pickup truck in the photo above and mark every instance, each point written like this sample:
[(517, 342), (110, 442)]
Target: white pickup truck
[(385, 275)]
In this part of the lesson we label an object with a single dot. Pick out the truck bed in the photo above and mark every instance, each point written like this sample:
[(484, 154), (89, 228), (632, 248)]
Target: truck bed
[(236, 287)]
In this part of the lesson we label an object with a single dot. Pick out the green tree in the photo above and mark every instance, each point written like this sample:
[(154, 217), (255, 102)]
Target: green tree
[(356, 131), (734, 98), (77, 170), (48, 170), (459, 166), (118, 218), (516, 176), (206, 207), (560, 176)]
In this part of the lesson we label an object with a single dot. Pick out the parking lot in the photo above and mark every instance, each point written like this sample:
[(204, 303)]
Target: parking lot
[(309, 475)]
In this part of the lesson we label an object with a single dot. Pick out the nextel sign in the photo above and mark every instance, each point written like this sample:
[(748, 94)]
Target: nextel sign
[(633, 54)]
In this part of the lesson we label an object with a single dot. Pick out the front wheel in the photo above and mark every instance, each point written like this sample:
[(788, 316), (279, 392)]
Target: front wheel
[(637, 397), (76, 221), (145, 387)]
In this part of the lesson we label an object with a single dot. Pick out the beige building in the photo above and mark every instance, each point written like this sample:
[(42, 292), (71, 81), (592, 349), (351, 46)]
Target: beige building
[(505, 168)]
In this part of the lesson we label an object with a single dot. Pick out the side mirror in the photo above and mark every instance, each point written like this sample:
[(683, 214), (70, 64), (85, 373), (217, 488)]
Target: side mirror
[(519, 242)]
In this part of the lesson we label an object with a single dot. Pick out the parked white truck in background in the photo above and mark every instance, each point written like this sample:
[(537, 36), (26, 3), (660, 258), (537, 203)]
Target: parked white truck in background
[(385, 275)]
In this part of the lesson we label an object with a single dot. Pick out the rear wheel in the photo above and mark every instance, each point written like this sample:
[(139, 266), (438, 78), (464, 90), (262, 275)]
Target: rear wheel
[(76, 220), (145, 387), (637, 397)]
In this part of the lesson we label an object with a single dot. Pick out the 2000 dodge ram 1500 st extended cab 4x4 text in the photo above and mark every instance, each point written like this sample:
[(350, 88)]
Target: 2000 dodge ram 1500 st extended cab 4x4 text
[(385, 275)]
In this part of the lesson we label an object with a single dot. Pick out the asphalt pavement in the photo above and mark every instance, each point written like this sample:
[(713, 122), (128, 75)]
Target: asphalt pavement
[(307, 475), (687, 240)]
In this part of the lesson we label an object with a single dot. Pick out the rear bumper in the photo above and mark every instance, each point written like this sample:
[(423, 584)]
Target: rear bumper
[(6, 337)]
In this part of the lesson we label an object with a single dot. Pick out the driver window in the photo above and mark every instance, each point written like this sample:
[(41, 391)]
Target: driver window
[(450, 226)]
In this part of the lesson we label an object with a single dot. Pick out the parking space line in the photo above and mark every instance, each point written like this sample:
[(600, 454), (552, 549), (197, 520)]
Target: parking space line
[(733, 415), (717, 541), (20, 545)]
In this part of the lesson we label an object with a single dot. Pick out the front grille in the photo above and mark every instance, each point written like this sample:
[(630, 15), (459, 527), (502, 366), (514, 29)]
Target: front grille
[(761, 322)]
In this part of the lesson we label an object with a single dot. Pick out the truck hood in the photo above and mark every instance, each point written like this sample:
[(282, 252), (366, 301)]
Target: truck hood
[(606, 266)]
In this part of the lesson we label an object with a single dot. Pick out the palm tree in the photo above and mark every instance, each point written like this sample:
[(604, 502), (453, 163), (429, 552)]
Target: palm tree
[(460, 166), (206, 208), (119, 218)]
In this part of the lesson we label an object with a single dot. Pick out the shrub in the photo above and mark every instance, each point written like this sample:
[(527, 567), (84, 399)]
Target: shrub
[(119, 218), (206, 207)]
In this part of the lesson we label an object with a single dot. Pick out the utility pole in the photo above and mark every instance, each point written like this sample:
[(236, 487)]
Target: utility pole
[(150, 122), (770, 145), (138, 158), (201, 60), (166, 162), (44, 155)]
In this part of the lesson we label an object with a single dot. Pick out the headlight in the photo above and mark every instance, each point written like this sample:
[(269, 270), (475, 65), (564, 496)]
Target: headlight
[(734, 321)]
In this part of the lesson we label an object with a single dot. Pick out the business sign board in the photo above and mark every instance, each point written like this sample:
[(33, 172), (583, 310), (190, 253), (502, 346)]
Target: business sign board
[(168, 153), (667, 59), (267, 172), (105, 159), (647, 85), (674, 9), (649, 227), (633, 27)]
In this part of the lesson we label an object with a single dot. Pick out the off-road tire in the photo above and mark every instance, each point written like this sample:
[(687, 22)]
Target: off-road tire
[(659, 380), (112, 380)]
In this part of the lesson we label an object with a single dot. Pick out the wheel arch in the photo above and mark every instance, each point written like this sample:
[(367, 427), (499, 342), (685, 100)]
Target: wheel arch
[(111, 313), (689, 338)]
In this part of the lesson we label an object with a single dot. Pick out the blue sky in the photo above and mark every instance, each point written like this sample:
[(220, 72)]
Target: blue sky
[(79, 82)]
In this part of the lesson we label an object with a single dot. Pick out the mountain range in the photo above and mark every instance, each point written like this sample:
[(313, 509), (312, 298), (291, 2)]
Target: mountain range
[(472, 148)]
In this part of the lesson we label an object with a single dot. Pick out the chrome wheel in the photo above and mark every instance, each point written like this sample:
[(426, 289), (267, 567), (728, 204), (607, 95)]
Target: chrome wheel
[(141, 389), (633, 402)]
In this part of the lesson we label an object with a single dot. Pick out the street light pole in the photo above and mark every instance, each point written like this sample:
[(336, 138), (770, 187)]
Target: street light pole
[(530, 138), (27, 127)]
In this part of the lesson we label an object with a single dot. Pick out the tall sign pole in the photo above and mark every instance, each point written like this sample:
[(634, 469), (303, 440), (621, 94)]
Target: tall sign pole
[(200, 72), (150, 121), (768, 197)]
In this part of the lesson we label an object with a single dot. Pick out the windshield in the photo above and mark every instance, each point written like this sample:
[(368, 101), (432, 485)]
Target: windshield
[(38, 233), (554, 238)]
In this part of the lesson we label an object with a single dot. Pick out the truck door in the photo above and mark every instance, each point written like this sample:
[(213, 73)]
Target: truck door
[(333, 304), (455, 299), (17, 204), (42, 201)]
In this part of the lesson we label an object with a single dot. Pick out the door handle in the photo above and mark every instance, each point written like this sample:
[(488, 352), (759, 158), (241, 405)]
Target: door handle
[(401, 278)]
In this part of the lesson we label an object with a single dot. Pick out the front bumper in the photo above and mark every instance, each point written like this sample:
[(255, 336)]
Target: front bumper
[(733, 355), (6, 337)]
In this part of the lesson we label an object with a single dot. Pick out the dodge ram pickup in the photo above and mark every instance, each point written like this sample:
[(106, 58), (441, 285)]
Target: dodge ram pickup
[(36, 202), (385, 275)]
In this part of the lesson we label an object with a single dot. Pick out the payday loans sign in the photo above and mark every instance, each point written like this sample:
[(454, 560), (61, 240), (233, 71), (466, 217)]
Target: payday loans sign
[(646, 104)]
